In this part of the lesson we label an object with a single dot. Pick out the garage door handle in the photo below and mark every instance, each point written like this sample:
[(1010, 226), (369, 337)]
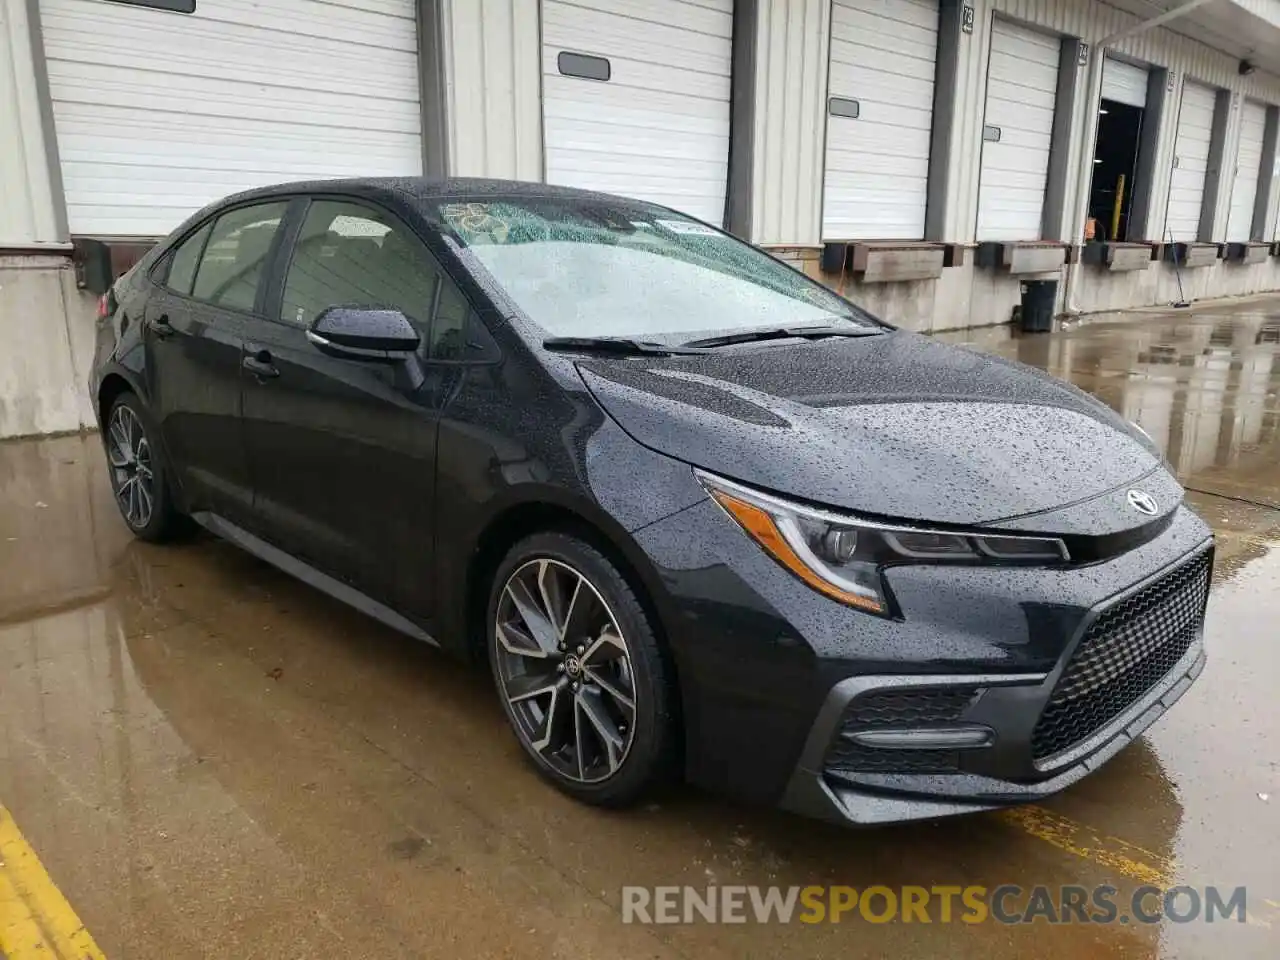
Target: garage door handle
[(260, 365)]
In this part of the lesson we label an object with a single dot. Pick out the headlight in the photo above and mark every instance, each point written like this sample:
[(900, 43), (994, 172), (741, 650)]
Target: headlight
[(842, 557)]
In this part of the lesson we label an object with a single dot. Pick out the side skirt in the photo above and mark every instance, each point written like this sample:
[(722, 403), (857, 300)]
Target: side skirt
[(310, 575)]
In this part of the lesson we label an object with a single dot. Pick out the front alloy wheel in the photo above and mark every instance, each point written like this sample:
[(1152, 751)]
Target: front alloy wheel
[(565, 671), (584, 679)]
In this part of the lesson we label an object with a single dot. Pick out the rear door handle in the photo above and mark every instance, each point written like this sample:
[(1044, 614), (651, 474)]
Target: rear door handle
[(260, 364)]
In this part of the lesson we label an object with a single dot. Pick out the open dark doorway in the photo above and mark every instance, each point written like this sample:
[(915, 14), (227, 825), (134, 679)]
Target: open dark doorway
[(1115, 165)]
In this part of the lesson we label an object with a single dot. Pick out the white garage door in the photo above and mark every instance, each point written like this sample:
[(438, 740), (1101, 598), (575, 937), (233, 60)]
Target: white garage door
[(1244, 189), (883, 55), (636, 99), (158, 113), (1124, 83), (1190, 161), (1022, 83)]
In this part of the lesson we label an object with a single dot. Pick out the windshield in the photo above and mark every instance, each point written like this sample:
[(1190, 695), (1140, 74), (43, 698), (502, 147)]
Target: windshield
[(588, 268)]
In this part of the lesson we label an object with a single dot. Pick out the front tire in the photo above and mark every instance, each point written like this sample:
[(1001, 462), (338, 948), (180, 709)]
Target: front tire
[(585, 684), (139, 473)]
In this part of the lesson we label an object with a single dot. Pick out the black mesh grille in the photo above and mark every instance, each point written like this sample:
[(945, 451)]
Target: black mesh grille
[(907, 708), (886, 709), (1127, 649), (854, 758)]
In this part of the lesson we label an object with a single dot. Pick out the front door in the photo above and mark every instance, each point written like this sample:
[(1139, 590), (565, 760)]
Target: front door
[(342, 451), (194, 332)]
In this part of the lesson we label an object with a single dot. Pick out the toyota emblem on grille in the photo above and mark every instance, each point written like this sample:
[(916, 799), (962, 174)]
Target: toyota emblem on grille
[(1143, 502)]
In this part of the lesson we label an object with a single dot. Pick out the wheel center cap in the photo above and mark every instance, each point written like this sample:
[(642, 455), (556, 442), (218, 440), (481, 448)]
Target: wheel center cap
[(572, 665)]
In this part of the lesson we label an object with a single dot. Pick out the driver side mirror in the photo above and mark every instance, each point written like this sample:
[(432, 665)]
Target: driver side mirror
[(364, 333)]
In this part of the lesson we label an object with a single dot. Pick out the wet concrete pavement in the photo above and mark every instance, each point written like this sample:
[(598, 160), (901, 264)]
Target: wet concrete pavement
[(214, 760)]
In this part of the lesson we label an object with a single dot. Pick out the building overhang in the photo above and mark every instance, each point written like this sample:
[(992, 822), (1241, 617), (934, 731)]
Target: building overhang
[(1248, 30)]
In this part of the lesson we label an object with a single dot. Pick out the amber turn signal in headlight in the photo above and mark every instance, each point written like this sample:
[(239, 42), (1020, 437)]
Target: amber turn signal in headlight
[(842, 557)]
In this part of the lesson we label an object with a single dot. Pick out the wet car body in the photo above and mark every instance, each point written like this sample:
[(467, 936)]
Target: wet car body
[(397, 489)]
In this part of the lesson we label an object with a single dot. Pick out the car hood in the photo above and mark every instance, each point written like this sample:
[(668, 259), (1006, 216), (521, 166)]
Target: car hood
[(896, 426)]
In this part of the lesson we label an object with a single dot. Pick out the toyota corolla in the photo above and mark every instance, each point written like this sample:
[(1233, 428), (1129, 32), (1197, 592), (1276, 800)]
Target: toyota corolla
[(699, 515)]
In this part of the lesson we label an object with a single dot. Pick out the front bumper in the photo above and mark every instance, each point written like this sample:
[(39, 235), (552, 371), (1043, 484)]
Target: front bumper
[(770, 672), (893, 798)]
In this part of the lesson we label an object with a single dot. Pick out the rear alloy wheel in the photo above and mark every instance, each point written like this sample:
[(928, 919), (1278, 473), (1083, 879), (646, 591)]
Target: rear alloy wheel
[(132, 475), (579, 670), (139, 473)]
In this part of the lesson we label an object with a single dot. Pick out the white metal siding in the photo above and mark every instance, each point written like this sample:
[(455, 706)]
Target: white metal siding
[(1022, 82), (27, 210), (158, 113), (1190, 162), (1244, 189), (792, 38), (1124, 83), (876, 181), (493, 89), (658, 129)]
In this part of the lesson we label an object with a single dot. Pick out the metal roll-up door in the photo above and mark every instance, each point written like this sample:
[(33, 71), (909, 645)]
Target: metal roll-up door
[(1022, 84), (1244, 189), (1124, 83), (636, 99), (1190, 162), (880, 116), (157, 112)]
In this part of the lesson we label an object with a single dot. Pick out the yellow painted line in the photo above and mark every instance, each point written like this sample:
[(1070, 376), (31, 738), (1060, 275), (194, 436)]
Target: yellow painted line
[(36, 922), (1126, 858)]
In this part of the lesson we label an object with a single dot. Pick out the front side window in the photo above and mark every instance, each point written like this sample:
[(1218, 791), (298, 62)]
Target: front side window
[(592, 268), (352, 255), (235, 256)]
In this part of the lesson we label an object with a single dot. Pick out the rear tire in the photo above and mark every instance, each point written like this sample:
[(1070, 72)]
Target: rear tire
[(585, 684), (141, 480)]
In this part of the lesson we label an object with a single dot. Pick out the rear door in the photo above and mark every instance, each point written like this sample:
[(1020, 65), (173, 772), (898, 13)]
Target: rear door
[(342, 451), (211, 287)]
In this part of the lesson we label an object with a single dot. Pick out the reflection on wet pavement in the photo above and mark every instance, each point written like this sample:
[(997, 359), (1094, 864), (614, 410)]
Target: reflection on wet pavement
[(214, 760)]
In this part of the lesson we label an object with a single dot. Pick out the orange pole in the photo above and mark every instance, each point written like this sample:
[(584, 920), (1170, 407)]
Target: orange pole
[(1115, 210)]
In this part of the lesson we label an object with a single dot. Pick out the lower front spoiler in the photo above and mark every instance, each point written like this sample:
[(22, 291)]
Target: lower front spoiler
[(896, 798)]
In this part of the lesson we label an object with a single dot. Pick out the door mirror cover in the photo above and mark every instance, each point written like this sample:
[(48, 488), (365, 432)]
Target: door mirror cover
[(368, 333)]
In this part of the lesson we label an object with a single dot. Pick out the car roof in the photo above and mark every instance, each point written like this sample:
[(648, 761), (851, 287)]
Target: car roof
[(422, 190)]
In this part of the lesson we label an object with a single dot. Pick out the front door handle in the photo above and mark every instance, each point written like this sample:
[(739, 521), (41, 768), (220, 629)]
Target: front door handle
[(260, 365), (162, 328)]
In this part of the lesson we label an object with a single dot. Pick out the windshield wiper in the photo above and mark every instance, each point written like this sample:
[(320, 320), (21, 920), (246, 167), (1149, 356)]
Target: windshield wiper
[(622, 346), (784, 333)]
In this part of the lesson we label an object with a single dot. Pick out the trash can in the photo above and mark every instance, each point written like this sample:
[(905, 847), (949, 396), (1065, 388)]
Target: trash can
[(1038, 299)]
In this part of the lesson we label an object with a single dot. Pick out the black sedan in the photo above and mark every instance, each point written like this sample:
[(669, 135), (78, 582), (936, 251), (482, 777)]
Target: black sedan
[(699, 515)]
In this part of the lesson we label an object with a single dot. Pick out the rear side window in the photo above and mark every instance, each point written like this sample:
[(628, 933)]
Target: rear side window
[(235, 257), (184, 260)]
